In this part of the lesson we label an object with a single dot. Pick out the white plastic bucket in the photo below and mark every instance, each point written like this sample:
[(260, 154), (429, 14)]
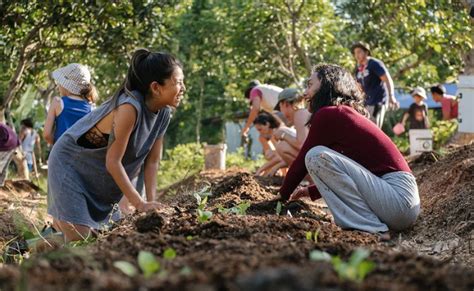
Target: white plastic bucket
[(214, 156), (421, 140)]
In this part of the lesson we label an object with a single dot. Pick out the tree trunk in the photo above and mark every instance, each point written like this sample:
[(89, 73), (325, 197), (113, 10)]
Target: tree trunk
[(199, 111), (469, 57), (27, 50)]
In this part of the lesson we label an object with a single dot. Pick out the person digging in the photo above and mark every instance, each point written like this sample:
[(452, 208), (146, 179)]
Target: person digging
[(356, 168)]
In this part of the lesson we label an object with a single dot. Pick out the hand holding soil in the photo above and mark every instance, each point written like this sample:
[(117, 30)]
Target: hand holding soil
[(299, 193)]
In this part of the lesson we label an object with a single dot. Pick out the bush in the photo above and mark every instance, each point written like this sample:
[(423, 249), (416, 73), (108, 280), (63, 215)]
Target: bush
[(185, 160), (238, 159), (179, 163)]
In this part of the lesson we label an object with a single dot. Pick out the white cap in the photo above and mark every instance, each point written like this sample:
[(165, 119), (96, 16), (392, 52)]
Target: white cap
[(73, 77), (420, 92)]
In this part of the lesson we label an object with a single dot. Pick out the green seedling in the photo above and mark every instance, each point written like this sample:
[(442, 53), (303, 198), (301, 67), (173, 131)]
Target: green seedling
[(127, 268), (239, 209), (356, 269), (223, 210), (202, 215), (278, 208), (186, 271), (148, 263), (313, 236), (169, 254)]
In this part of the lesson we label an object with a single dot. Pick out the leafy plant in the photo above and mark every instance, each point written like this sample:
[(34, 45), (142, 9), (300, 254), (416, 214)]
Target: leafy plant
[(313, 236), (356, 269), (126, 267), (169, 254), (278, 208), (202, 214), (239, 209), (148, 263)]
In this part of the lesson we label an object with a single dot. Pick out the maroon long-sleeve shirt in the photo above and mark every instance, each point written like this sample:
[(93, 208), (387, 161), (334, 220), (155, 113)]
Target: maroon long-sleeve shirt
[(346, 131)]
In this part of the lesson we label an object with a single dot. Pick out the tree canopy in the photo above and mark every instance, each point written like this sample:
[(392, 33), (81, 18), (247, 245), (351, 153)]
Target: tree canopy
[(223, 45)]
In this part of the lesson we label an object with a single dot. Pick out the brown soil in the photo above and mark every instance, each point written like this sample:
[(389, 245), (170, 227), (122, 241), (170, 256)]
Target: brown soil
[(18, 203), (257, 251), (445, 227)]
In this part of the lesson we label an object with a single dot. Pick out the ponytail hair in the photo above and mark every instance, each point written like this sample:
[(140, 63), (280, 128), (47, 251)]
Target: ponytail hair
[(147, 67), (89, 93)]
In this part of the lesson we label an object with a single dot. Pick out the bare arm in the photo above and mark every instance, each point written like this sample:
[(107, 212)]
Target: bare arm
[(122, 126), (38, 147), (254, 110), (49, 123), (405, 118), (152, 164), (387, 79), (301, 131)]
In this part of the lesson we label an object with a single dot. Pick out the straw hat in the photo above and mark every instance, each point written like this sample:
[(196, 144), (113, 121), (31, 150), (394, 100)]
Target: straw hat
[(73, 77)]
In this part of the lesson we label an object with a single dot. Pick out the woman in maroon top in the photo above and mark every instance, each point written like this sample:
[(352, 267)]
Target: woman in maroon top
[(357, 169)]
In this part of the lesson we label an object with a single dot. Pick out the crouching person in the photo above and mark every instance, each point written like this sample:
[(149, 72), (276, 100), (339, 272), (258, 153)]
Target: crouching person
[(91, 166), (356, 168)]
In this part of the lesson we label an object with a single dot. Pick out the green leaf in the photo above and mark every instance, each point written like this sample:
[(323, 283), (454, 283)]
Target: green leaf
[(186, 271), (127, 268), (319, 256), (358, 256), (316, 235), (309, 235), (364, 268), (148, 263), (169, 254), (278, 208), (203, 216)]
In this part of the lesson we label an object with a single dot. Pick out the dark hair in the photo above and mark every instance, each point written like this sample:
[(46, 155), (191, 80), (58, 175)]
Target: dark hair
[(264, 118), (251, 85), (89, 93), (27, 122), (438, 89), (147, 67), (338, 87)]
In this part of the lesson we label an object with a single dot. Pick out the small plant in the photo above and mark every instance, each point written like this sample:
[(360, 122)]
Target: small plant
[(356, 269), (239, 209), (169, 254), (127, 268), (278, 208), (202, 214), (201, 200), (147, 262), (313, 236)]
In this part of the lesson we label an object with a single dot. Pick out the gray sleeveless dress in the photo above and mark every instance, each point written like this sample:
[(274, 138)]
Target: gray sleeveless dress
[(80, 190)]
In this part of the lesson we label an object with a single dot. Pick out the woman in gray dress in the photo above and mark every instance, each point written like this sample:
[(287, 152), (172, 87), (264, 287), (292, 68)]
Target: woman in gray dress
[(92, 164)]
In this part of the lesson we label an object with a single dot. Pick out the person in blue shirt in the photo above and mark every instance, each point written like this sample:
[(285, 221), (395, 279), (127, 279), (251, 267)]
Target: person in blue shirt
[(78, 97), (376, 82)]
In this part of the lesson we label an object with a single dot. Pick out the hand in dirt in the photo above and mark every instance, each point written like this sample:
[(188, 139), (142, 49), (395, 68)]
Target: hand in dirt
[(299, 193), (145, 206)]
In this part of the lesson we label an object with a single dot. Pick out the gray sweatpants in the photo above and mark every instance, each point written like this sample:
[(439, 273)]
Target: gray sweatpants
[(359, 199)]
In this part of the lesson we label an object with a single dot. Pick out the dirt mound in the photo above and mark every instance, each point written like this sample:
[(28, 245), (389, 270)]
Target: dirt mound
[(261, 250), (243, 185), (19, 202), (425, 159), (446, 224)]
